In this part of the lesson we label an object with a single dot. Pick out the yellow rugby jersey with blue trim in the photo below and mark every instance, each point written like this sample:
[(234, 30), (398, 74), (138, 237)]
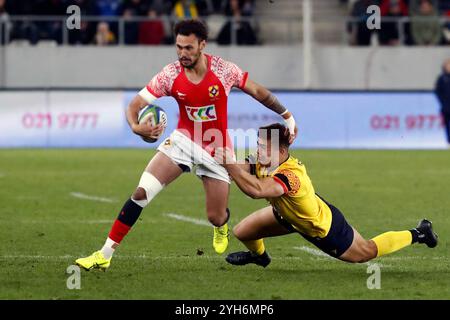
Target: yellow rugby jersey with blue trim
[(299, 205)]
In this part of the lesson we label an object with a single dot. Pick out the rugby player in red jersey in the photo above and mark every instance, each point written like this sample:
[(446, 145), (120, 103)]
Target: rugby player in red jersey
[(200, 83)]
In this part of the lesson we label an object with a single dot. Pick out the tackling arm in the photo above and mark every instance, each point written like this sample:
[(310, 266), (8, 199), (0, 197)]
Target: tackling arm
[(252, 186), (248, 183)]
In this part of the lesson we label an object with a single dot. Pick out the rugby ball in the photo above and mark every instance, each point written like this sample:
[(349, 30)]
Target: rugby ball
[(153, 115)]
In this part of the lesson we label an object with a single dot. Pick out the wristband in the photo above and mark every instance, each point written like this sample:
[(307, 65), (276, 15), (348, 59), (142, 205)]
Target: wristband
[(147, 96), (290, 123)]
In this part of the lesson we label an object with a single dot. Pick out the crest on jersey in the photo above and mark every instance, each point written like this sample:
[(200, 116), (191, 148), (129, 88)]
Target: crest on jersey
[(167, 143), (294, 181), (213, 91)]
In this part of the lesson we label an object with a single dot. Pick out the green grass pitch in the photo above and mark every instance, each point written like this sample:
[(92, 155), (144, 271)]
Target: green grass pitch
[(44, 228)]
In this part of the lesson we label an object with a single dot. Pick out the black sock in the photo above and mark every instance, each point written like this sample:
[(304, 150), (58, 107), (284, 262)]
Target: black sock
[(129, 213), (415, 235), (228, 215), (228, 218)]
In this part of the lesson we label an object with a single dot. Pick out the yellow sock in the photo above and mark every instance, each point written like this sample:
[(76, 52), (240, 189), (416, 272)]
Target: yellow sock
[(392, 241), (256, 246)]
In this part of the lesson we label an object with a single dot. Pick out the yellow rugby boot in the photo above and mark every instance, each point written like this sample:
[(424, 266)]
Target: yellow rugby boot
[(94, 261), (221, 237)]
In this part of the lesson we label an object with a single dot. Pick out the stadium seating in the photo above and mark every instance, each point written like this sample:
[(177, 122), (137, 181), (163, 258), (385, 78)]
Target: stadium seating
[(279, 22)]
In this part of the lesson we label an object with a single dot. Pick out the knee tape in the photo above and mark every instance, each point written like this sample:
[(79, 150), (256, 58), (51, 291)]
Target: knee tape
[(152, 187)]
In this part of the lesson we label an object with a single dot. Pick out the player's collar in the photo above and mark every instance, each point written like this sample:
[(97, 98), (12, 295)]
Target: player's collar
[(288, 157)]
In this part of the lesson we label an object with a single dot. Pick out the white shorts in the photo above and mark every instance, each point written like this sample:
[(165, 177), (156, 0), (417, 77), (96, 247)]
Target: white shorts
[(184, 152)]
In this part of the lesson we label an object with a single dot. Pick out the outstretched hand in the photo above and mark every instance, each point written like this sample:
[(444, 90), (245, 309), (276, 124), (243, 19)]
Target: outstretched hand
[(224, 156), (293, 136)]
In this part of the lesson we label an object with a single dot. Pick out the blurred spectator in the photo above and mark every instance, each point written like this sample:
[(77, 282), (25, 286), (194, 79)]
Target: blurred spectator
[(151, 32), (219, 5), (443, 93), (389, 33), (185, 9), (22, 7), (162, 6), (243, 31), (104, 35), (425, 25), (82, 36), (135, 7), (130, 9), (400, 5), (414, 5), (3, 12), (360, 33), (204, 7), (5, 24), (87, 28), (446, 30), (108, 8), (444, 7), (24, 29), (248, 8), (131, 28), (51, 29)]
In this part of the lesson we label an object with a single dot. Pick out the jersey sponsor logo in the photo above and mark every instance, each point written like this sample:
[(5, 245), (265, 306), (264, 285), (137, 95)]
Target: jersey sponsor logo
[(213, 91), (202, 114)]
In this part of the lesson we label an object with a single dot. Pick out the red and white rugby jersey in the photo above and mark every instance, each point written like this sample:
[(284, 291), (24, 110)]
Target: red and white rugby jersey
[(203, 106)]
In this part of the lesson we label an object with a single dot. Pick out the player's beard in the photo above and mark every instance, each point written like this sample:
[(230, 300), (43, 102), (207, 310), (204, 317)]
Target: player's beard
[(192, 64)]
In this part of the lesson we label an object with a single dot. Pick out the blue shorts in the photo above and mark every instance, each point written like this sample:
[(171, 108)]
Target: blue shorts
[(338, 239)]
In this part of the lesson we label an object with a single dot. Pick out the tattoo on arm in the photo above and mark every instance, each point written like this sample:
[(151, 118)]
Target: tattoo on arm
[(272, 103)]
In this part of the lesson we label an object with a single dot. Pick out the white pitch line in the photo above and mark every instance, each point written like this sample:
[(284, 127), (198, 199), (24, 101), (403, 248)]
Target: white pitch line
[(313, 251), (414, 258), (157, 258), (7, 257), (71, 222), (188, 219), (106, 221), (65, 257), (319, 253), (83, 196)]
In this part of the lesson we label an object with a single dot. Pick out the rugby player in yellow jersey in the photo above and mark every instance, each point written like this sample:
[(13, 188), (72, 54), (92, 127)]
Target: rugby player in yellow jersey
[(295, 207)]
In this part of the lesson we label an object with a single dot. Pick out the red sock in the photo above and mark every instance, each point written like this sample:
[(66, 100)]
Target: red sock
[(118, 231)]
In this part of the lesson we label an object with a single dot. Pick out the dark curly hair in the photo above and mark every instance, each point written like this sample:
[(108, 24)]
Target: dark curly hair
[(283, 133), (191, 26)]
